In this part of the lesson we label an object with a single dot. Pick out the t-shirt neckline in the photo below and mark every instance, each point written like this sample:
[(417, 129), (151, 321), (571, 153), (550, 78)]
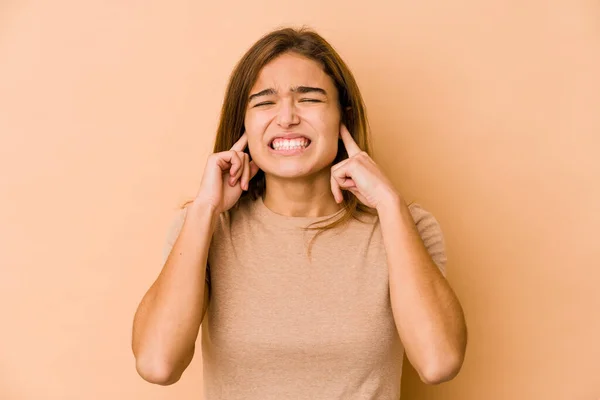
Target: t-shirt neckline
[(269, 216)]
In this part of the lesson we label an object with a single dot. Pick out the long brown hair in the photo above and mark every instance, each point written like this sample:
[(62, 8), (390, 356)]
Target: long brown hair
[(311, 45)]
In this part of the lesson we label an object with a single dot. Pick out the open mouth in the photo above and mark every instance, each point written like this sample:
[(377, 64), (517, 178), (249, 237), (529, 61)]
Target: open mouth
[(284, 145)]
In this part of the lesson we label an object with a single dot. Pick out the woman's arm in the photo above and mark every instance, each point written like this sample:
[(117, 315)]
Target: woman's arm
[(428, 315), (168, 319)]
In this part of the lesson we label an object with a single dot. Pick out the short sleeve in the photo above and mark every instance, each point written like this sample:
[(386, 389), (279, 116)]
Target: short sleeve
[(431, 234), (173, 233)]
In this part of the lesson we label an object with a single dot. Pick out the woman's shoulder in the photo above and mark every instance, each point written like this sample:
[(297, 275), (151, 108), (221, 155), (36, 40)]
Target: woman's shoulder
[(223, 223), (417, 211)]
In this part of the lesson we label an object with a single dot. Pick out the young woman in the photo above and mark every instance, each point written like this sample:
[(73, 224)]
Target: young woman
[(307, 270)]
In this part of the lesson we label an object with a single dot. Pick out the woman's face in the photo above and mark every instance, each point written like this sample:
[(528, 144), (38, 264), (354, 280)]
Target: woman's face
[(293, 118)]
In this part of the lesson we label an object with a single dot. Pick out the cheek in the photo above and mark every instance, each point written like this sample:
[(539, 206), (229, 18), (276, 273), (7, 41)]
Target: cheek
[(326, 123), (257, 121), (255, 147), (323, 120), (331, 128), (329, 125), (255, 126)]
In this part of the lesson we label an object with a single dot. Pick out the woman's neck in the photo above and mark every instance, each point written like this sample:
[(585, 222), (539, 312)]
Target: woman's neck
[(307, 197)]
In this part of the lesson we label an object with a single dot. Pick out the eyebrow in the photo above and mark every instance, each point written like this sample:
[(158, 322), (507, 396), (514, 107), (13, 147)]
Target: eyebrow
[(297, 89)]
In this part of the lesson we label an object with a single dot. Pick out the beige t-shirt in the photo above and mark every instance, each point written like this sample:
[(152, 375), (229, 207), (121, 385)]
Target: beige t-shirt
[(279, 326)]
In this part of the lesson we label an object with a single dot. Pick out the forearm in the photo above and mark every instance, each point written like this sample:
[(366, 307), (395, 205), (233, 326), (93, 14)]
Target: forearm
[(428, 315), (168, 318)]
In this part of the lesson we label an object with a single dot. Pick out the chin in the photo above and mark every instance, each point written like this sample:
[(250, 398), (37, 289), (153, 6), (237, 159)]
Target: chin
[(294, 168), (289, 172)]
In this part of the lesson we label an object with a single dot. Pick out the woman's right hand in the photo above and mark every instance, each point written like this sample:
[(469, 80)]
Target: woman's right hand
[(226, 175)]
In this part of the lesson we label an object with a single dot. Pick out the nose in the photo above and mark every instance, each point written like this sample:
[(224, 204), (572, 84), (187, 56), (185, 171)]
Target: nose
[(287, 115)]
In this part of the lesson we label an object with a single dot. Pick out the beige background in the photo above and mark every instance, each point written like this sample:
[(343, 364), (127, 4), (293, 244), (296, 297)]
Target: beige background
[(487, 113)]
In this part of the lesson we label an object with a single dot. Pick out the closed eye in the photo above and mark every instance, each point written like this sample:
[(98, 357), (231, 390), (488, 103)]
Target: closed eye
[(311, 100), (264, 103)]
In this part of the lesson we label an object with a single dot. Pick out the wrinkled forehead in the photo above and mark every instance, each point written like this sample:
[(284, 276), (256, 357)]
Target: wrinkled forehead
[(289, 71)]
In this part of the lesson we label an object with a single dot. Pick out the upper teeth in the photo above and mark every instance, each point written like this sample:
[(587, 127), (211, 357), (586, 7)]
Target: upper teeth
[(289, 144)]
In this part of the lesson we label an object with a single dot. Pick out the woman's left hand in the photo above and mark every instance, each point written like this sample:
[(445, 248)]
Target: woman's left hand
[(361, 176)]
